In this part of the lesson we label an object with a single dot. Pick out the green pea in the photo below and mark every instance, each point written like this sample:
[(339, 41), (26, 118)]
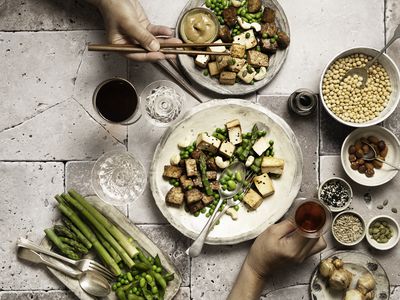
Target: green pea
[(189, 187), (159, 269), (271, 142), (272, 40), (247, 35), (208, 215), (114, 287), (176, 184), (203, 210), (236, 207), (208, 3), (224, 187), (154, 290), (197, 213)]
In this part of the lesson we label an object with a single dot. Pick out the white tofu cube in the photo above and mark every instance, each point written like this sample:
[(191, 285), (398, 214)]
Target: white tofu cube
[(232, 123), (227, 148), (202, 60), (207, 142), (272, 165), (250, 41), (264, 185), (245, 75), (238, 65), (219, 49), (253, 199), (261, 145)]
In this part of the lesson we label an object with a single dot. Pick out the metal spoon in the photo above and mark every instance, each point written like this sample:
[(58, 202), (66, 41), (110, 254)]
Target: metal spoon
[(363, 71), (372, 155), (91, 282), (195, 249)]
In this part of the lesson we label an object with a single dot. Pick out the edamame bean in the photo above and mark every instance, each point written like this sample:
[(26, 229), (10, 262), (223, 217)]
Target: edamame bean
[(231, 185)]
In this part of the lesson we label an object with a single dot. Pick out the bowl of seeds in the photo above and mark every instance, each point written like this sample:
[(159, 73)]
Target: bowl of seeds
[(348, 228), (336, 193), (383, 232), (347, 101)]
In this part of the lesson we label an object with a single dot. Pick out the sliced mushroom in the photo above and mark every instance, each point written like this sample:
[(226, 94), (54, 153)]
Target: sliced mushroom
[(262, 73), (221, 163), (244, 24)]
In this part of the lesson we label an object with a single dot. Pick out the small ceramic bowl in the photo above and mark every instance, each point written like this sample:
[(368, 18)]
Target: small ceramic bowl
[(345, 186), (392, 241), (352, 213)]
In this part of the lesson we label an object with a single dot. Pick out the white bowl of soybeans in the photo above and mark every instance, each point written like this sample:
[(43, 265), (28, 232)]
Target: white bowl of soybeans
[(383, 232), (346, 101)]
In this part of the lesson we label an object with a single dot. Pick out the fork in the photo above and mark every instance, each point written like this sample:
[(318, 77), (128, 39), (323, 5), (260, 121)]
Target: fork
[(82, 264)]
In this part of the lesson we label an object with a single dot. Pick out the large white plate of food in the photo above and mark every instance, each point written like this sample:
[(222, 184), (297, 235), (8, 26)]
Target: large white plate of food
[(219, 132), (259, 31)]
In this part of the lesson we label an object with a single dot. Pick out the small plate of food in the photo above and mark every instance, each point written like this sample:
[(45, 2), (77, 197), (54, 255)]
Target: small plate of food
[(190, 157), (349, 275), (258, 31)]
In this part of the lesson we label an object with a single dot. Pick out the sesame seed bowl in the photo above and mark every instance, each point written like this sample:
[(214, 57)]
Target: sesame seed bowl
[(336, 193), (343, 98), (348, 228)]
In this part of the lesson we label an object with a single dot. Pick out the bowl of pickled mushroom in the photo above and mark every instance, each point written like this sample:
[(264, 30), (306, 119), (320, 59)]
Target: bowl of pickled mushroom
[(344, 98), (383, 232)]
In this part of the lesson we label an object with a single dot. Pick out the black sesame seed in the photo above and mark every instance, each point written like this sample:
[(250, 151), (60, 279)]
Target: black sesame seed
[(335, 194)]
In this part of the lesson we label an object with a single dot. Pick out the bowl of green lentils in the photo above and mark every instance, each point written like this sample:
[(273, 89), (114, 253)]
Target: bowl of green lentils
[(346, 101), (383, 232)]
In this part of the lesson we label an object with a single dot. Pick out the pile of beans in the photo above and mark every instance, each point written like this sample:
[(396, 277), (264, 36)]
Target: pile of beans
[(380, 231), (345, 97)]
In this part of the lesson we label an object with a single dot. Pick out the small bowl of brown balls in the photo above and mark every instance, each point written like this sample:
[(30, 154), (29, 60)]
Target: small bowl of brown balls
[(358, 151)]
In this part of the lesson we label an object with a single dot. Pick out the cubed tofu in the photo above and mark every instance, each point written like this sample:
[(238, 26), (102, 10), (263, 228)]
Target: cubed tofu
[(246, 38), (197, 182), (214, 185), (207, 142), (207, 199), (211, 175), (252, 199), (195, 207), (264, 185), (261, 145), (223, 61), (238, 50), (227, 78), (172, 172), (232, 123), (246, 75), (191, 167), (227, 149), (175, 196), (213, 68), (219, 49), (234, 131), (211, 165), (237, 64), (185, 182), (202, 60), (193, 196), (257, 59), (272, 165)]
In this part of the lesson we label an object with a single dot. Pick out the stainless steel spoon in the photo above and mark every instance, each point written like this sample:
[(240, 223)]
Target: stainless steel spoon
[(195, 249), (91, 282), (372, 155), (363, 71)]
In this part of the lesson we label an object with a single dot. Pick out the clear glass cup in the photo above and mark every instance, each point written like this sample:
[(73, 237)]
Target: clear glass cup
[(162, 102), (311, 217), (118, 177)]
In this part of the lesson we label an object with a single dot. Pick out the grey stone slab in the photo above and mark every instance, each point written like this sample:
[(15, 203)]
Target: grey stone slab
[(395, 292), (392, 19), (78, 177), (319, 31), (183, 294), (173, 244), (306, 131), (48, 15), (331, 166), (63, 132), (298, 292), (26, 190), (37, 295)]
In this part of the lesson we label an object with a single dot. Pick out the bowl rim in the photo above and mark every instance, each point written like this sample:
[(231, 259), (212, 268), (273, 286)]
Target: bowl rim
[(336, 178), (374, 121), (362, 221), (343, 154), (369, 239)]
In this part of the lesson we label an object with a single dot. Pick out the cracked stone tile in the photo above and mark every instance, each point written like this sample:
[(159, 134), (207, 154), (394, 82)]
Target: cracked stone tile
[(78, 176), (63, 132), (27, 191), (306, 131), (331, 166), (173, 244), (298, 292), (316, 38), (37, 295), (392, 20), (30, 81), (48, 15), (395, 292)]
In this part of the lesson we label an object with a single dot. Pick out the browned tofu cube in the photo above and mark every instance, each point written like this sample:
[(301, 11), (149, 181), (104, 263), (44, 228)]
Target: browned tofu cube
[(175, 196), (211, 175), (207, 199), (227, 78), (194, 207), (213, 68), (196, 153), (268, 15), (222, 61), (193, 195), (269, 28), (214, 185), (252, 199), (253, 6), (185, 182), (257, 59), (197, 182), (172, 172), (236, 64), (191, 167), (211, 165), (238, 50)]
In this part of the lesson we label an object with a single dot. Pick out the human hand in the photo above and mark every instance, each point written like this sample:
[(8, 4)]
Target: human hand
[(126, 22)]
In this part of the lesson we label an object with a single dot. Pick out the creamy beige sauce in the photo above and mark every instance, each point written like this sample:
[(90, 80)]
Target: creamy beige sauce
[(199, 27)]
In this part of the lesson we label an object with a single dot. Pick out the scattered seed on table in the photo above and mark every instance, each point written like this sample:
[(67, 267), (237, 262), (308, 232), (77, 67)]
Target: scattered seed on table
[(379, 207), (394, 210), (385, 202)]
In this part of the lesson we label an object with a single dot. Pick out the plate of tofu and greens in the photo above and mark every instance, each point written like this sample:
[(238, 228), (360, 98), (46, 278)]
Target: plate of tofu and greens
[(190, 157), (258, 31)]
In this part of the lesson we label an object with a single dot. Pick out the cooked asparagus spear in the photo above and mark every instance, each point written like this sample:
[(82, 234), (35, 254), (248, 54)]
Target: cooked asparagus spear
[(74, 244), (81, 237), (203, 173), (108, 247), (61, 230), (65, 249)]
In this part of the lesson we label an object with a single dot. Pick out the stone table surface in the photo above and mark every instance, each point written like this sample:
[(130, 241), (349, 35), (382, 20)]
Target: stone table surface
[(50, 135)]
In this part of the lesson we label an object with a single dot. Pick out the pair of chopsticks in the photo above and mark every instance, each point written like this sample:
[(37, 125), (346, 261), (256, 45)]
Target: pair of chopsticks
[(133, 48)]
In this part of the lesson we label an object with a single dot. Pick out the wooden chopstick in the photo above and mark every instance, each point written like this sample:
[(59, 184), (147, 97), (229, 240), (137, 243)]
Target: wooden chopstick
[(168, 45)]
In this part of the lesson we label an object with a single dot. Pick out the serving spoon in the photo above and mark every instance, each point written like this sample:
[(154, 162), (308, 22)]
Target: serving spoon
[(363, 71), (91, 282), (372, 155), (195, 249)]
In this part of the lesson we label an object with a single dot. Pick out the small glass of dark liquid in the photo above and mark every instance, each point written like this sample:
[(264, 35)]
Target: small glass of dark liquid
[(311, 217), (117, 101)]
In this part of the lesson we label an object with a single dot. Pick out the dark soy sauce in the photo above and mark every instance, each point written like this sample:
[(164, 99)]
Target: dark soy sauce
[(116, 100), (310, 217)]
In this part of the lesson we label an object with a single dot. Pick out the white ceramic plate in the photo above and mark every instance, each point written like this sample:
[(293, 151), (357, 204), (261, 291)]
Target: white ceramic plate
[(207, 117), (275, 63), (357, 263), (386, 173), (127, 226)]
